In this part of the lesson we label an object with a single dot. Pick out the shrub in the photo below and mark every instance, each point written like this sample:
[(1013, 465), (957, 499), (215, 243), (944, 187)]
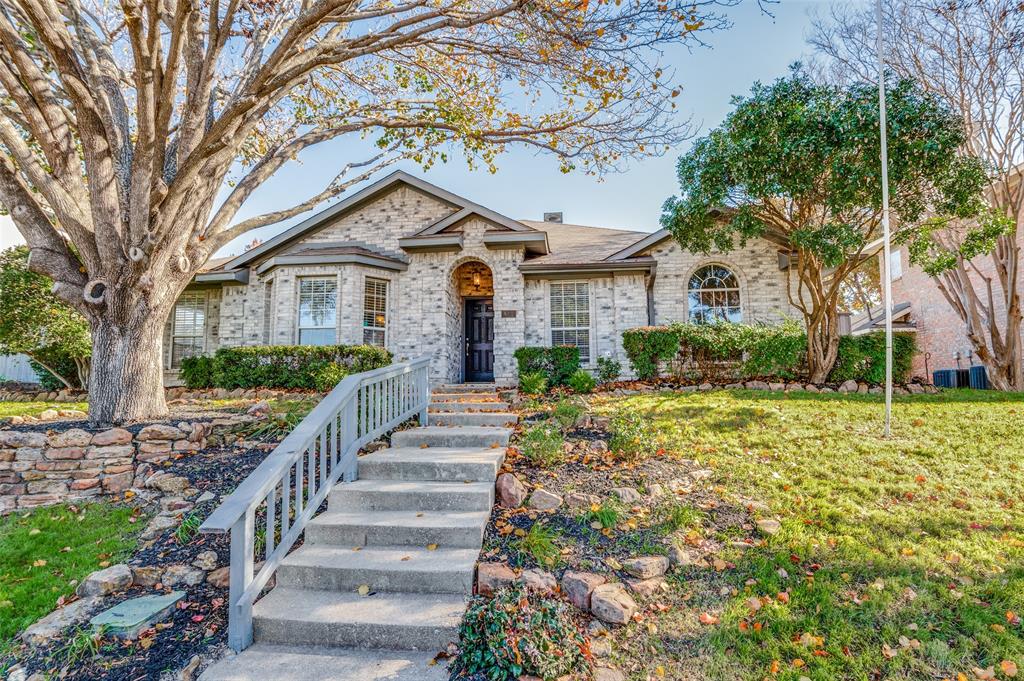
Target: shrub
[(777, 351), (197, 372), (862, 358), (608, 369), (647, 346), (533, 382), (567, 413), (61, 362), (540, 545), (558, 363), (518, 633), (329, 375), (582, 382), (291, 366), (542, 445), (632, 437)]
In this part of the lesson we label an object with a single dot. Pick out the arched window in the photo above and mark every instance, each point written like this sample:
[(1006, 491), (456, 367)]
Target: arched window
[(714, 295)]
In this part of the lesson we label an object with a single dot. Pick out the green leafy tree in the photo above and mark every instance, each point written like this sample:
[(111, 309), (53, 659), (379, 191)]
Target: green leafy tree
[(798, 163), (36, 323)]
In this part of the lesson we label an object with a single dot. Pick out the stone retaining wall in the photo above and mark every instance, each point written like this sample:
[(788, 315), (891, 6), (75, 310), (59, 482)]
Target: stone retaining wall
[(38, 469)]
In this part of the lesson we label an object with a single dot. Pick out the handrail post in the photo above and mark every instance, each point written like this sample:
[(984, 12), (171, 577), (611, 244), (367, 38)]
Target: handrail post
[(241, 572), (424, 394)]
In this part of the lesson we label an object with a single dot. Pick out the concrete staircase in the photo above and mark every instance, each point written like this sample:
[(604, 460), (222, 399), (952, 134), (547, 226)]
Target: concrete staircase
[(381, 583)]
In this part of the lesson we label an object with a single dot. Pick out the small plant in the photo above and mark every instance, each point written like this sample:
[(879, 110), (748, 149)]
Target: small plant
[(608, 369), (582, 382), (328, 376), (518, 633), (533, 383), (567, 413), (632, 436), (604, 514), (539, 543), (81, 645), (673, 517), (188, 529), (542, 445), (280, 423)]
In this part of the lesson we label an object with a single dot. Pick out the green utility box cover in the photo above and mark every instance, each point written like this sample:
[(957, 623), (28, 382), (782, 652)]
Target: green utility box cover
[(129, 618)]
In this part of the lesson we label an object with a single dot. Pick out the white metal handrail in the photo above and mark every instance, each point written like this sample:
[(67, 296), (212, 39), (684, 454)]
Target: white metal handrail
[(321, 450)]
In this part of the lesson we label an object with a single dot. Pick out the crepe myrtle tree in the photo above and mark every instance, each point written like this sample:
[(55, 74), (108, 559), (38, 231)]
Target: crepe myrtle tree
[(133, 132), (797, 162), (970, 54)]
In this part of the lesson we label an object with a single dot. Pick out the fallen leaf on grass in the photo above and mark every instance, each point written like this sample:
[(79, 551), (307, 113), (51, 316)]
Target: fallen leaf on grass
[(708, 618), (1008, 667)]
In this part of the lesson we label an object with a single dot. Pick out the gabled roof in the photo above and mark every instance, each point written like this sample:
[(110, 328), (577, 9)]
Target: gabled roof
[(874, 320), (462, 208), (579, 244)]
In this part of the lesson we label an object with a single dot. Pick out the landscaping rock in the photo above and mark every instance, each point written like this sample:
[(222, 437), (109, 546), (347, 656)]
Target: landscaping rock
[(48, 415), (493, 576), (601, 647), (849, 386), (756, 385), (539, 581), (50, 626), (182, 574), (159, 431), (102, 582), (146, 575), (158, 525), (510, 490), (206, 561), (915, 388), (576, 501), (646, 567), (645, 587), (74, 437), (608, 674), (610, 603), (169, 484), (769, 526), (13, 439), (188, 672), (114, 436), (543, 500), (599, 446), (627, 495), (578, 587), (220, 578), (128, 618), (259, 409)]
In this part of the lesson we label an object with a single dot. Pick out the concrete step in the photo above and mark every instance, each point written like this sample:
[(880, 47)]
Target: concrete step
[(406, 495), (448, 529), (263, 662), (436, 407), (434, 463), (344, 619), (466, 388), (464, 397), (501, 419), (464, 437), (393, 569)]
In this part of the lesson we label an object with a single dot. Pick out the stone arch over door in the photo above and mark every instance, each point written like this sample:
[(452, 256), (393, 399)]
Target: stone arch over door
[(471, 323)]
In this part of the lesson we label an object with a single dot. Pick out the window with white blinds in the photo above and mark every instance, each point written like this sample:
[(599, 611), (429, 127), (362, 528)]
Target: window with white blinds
[(188, 328), (570, 316), (318, 311), (375, 312)]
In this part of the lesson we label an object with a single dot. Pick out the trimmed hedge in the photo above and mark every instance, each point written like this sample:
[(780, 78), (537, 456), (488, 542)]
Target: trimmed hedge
[(729, 352), (280, 366), (558, 363)]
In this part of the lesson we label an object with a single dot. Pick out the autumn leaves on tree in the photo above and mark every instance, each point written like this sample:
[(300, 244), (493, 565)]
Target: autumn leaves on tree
[(134, 132)]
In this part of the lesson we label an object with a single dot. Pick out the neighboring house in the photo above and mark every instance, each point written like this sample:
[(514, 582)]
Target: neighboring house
[(17, 368), (410, 266), (942, 341)]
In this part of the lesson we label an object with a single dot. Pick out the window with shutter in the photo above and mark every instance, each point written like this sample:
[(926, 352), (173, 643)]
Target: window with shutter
[(375, 312), (188, 327), (318, 311)]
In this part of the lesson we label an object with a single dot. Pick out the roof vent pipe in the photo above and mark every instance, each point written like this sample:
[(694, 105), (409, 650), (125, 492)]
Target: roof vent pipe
[(553, 217)]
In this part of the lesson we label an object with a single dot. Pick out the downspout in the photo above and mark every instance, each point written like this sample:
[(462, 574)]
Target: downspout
[(650, 293)]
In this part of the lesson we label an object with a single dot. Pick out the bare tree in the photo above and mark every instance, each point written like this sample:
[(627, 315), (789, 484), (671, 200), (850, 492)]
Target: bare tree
[(970, 53), (133, 132)]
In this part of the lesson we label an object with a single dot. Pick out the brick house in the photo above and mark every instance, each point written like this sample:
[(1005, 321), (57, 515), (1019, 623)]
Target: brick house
[(415, 268), (942, 341)]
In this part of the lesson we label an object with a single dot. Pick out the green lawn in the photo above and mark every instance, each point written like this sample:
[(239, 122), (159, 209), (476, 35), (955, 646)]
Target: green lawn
[(43, 551), (898, 558), (8, 409)]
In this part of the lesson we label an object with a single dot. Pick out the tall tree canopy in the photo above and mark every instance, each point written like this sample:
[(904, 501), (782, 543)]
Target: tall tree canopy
[(798, 162), (970, 54), (122, 122), (36, 323)]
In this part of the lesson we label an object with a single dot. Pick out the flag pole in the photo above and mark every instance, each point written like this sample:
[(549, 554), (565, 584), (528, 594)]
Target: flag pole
[(887, 248)]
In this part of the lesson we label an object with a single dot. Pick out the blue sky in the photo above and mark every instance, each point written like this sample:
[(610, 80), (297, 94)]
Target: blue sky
[(758, 47)]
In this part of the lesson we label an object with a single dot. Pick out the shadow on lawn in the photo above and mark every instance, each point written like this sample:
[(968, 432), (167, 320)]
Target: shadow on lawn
[(957, 395)]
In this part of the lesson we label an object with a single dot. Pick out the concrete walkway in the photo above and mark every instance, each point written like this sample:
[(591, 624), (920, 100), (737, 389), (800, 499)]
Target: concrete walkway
[(381, 583)]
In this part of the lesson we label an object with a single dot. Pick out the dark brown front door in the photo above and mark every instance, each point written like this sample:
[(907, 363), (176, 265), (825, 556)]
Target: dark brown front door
[(480, 340)]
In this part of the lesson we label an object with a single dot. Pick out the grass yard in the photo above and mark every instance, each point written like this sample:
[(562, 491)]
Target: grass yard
[(896, 559), (8, 409), (45, 551)]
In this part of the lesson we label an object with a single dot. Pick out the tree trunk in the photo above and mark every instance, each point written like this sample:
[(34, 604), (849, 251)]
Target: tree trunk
[(126, 375), (822, 343)]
